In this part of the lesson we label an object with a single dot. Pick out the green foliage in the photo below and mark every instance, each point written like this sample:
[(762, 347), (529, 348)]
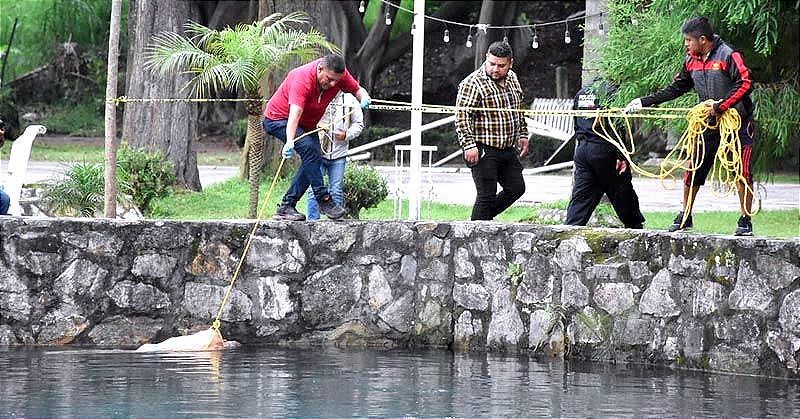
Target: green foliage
[(148, 175), (80, 192), (644, 50), (221, 201), (81, 119), (239, 131), (376, 13), (43, 23), (141, 175), (234, 59), (778, 117), (364, 188), (515, 273)]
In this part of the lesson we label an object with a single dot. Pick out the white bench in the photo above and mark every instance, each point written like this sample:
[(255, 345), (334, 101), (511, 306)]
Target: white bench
[(554, 126), (14, 174)]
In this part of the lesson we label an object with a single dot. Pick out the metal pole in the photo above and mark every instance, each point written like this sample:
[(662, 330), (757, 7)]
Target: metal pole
[(415, 161)]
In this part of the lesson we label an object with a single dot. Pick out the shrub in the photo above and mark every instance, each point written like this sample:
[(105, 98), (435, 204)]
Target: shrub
[(239, 131), (148, 174), (80, 193), (364, 188)]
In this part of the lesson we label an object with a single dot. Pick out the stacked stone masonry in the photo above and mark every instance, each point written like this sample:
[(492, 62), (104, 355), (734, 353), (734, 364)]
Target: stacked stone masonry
[(683, 300)]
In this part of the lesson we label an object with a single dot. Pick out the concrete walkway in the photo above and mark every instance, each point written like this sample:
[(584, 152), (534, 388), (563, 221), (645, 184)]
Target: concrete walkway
[(454, 185)]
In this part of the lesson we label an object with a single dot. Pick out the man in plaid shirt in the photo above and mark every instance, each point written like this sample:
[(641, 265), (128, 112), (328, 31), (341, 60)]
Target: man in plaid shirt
[(490, 137)]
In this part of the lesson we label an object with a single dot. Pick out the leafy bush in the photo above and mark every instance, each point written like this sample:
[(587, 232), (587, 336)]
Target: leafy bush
[(81, 119), (239, 131), (80, 193), (364, 188), (148, 174)]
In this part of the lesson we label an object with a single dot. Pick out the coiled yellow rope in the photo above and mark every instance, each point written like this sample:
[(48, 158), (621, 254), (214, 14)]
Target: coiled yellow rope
[(688, 154)]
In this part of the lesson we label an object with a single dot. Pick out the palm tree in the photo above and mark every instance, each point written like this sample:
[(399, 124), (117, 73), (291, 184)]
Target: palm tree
[(237, 59)]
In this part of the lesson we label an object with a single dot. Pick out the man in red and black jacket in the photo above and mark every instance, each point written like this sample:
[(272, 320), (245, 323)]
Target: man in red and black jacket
[(717, 72)]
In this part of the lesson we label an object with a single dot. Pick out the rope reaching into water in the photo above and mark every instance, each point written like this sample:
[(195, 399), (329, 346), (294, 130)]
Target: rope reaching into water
[(215, 326), (687, 154)]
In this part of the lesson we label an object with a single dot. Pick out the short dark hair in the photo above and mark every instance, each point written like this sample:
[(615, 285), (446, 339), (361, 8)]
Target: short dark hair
[(333, 62), (697, 27), (501, 49)]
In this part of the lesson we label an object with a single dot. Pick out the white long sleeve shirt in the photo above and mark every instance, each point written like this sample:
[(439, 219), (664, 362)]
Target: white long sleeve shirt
[(339, 114)]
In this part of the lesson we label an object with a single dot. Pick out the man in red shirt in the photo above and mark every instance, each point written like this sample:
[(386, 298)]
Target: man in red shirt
[(296, 108)]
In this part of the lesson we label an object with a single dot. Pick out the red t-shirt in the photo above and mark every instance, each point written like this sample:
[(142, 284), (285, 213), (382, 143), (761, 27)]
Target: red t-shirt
[(300, 88)]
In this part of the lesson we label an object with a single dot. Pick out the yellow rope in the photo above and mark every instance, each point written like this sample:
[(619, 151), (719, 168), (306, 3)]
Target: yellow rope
[(215, 326), (688, 154)]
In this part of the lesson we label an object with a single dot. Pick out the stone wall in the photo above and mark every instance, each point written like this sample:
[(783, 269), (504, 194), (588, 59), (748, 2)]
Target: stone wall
[(709, 302)]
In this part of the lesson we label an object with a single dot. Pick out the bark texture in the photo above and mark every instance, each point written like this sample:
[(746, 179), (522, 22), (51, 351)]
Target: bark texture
[(167, 127)]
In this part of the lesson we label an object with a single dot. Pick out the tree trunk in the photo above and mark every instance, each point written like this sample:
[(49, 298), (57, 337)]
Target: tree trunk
[(167, 127), (255, 137), (500, 13), (110, 204)]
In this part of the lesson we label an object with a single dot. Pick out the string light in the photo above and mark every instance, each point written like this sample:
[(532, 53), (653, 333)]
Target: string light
[(600, 28), (413, 29), (362, 7), (485, 26)]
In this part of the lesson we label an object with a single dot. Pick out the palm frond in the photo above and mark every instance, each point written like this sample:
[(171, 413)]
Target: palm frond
[(234, 58)]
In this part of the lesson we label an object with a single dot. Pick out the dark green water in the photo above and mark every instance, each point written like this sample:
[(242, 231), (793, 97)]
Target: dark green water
[(270, 382)]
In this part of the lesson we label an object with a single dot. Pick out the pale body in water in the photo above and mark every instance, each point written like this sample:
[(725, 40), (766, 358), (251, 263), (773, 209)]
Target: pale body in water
[(204, 340)]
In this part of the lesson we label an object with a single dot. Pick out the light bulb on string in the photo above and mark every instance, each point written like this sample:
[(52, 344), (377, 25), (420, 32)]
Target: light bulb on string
[(535, 43), (600, 29), (362, 7), (446, 38), (413, 29), (469, 39), (388, 19), (505, 39), (567, 38)]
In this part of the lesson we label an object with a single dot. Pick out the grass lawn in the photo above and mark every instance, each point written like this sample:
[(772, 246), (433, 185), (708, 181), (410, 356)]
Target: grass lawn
[(228, 200), (96, 154)]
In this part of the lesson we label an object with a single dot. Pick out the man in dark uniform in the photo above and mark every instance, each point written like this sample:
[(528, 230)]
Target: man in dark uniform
[(599, 166)]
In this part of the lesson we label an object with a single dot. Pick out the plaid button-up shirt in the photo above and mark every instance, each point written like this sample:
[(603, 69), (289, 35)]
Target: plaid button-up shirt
[(501, 128)]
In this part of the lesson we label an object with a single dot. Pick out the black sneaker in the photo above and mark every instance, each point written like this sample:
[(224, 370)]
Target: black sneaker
[(744, 227), (676, 224), (287, 212), (329, 208)]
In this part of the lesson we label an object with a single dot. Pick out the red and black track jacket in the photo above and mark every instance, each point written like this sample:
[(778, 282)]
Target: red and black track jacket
[(721, 77)]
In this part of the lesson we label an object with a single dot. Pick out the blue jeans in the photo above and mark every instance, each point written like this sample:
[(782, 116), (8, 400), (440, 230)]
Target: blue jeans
[(5, 202), (335, 170), (310, 172)]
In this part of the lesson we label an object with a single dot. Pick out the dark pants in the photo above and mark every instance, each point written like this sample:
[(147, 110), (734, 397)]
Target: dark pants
[(595, 175), (496, 166), (711, 140), (310, 172)]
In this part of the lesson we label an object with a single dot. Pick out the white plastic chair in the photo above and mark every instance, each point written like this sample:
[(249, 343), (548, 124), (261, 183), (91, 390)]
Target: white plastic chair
[(14, 174)]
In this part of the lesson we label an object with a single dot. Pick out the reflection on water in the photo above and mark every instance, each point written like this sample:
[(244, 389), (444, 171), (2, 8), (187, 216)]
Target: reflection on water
[(332, 382)]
